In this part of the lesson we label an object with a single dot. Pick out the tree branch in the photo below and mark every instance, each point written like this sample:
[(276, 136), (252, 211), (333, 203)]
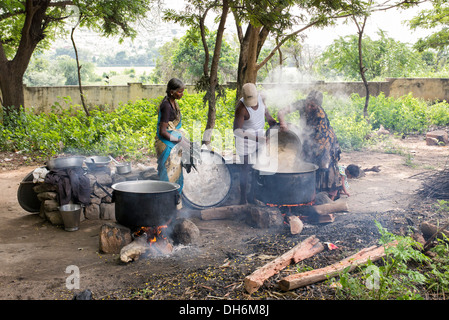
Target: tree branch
[(280, 43), (204, 41)]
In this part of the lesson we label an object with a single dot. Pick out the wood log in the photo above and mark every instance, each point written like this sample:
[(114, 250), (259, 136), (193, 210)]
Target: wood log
[(305, 278), (324, 209), (134, 250), (429, 230), (113, 237), (327, 208), (301, 251), (222, 213)]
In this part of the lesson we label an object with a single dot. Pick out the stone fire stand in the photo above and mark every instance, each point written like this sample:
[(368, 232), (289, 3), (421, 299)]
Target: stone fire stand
[(101, 205)]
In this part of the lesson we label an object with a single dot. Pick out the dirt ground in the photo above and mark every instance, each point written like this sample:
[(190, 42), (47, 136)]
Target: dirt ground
[(34, 254)]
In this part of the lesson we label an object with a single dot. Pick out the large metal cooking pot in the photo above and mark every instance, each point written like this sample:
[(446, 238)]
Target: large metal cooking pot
[(145, 203), (97, 162), (65, 162), (285, 187)]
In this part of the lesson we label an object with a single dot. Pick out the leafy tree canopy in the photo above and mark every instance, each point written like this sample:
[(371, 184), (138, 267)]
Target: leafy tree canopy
[(384, 57), (437, 19)]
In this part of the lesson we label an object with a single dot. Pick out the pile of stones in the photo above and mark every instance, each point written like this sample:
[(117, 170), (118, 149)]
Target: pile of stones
[(101, 205)]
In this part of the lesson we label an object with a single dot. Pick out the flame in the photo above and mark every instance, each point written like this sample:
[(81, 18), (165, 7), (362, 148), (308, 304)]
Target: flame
[(153, 233), (288, 209)]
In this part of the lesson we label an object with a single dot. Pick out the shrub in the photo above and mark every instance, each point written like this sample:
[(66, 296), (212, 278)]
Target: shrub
[(130, 129)]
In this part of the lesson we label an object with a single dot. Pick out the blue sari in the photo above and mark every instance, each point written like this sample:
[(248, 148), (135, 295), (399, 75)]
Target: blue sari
[(168, 153)]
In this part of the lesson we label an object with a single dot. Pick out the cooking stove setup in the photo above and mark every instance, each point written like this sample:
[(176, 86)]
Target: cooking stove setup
[(141, 210)]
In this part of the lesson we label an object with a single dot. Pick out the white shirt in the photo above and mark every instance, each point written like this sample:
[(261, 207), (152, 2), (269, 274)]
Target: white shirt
[(254, 125)]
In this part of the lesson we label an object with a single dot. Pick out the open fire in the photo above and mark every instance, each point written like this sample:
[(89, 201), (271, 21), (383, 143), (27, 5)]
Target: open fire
[(292, 209), (155, 239), (152, 233)]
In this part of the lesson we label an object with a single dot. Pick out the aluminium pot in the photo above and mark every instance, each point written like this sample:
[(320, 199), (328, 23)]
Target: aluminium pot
[(285, 187), (145, 203), (65, 162), (123, 168)]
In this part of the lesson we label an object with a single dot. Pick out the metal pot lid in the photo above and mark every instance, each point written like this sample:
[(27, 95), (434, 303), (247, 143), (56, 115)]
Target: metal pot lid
[(97, 160), (209, 185), (26, 196), (145, 186), (276, 168)]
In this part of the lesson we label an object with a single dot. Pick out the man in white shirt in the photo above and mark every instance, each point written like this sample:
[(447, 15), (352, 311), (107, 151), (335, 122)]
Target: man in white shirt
[(250, 116)]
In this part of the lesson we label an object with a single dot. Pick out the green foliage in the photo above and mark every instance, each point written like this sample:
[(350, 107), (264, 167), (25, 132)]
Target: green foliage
[(184, 58), (382, 58), (394, 279), (405, 114), (404, 274), (435, 18), (346, 118), (130, 129)]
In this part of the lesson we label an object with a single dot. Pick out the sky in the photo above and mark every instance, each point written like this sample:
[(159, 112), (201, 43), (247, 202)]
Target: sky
[(390, 21)]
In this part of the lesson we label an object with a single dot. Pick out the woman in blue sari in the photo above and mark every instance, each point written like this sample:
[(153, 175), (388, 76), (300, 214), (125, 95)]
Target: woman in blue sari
[(169, 137)]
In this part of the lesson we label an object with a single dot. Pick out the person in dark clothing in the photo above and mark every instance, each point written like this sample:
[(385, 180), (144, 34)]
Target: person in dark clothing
[(319, 142)]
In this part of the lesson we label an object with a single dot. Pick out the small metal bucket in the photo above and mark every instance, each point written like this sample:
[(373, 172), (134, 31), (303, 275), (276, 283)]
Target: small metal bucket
[(71, 216)]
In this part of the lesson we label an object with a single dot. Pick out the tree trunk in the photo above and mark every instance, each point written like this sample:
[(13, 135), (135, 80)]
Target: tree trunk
[(11, 71), (213, 78), (247, 69), (11, 85), (362, 68), (78, 68)]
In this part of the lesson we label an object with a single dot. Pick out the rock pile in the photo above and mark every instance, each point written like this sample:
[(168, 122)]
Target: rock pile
[(101, 205)]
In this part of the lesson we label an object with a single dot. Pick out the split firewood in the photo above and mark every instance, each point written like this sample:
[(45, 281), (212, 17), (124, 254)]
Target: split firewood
[(301, 251), (226, 212), (133, 250), (305, 278), (326, 218), (296, 224)]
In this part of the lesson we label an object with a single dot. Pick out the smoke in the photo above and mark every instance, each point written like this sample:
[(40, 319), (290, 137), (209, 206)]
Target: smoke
[(284, 86), (281, 89)]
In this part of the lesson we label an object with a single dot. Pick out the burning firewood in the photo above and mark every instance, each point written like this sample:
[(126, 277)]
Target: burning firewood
[(147, 240), (323, 213), (327, 208), (305, 278), (133, 250), (303, 250)]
